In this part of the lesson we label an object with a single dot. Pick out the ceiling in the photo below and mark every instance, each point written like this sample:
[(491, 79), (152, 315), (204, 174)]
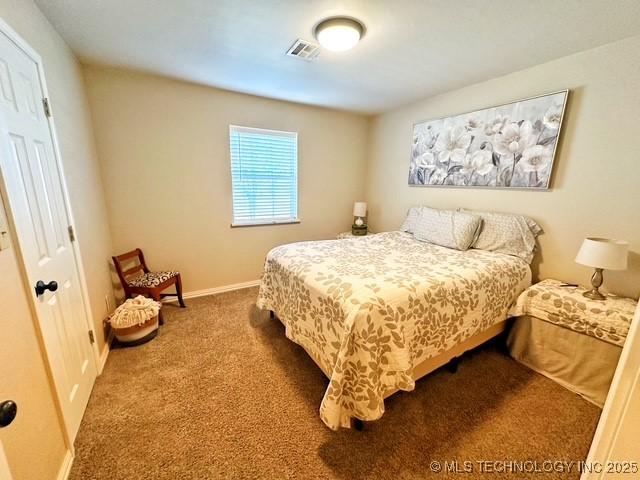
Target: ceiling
[(412, 48)]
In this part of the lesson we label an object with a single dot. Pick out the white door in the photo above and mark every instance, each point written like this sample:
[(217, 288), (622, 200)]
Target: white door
[(33, 185)]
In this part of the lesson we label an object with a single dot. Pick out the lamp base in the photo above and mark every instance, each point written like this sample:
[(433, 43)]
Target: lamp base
[(594, 295), (359, 230), (596, 283)]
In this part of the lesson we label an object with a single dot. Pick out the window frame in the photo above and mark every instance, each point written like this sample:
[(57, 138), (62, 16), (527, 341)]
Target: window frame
[(262, 223)]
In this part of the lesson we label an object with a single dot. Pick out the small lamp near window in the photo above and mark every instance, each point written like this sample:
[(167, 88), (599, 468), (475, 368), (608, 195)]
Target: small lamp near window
[(359, 226), (602, 254)]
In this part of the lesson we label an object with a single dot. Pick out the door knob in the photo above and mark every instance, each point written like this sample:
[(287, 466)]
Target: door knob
[(8, 411), (41, 286)]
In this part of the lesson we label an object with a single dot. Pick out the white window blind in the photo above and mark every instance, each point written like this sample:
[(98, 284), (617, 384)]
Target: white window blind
[(264, 174)]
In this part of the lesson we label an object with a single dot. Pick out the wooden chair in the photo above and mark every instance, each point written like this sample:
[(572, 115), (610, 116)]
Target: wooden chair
[(139, 280)]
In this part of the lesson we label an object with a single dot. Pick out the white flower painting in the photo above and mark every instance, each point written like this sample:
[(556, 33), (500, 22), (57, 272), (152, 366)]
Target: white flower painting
[(512, 145)]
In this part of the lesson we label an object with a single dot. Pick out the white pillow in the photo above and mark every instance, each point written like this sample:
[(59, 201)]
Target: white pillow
[(507, 233), (447, 228), (409, 224)]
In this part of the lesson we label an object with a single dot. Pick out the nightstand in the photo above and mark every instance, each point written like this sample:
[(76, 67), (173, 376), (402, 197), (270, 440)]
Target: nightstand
[(569, 338), (351, 235)]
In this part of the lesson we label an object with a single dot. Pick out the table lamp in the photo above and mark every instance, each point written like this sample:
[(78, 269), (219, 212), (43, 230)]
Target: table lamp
[(602, 254), (359, 226)]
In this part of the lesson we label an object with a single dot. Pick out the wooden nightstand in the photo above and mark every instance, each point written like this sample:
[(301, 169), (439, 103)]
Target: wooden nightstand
[(350, 235)]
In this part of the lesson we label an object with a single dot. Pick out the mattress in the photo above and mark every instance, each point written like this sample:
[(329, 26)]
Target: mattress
[(369, 309)]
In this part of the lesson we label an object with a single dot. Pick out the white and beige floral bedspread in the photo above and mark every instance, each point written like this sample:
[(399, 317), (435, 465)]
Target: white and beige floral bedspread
[(608, 320), (369, 309)]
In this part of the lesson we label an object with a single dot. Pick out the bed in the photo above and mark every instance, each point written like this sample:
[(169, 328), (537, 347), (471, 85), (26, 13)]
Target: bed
[(378, 312)]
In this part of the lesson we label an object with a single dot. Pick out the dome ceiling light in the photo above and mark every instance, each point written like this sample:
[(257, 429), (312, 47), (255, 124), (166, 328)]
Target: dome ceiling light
[(339, 34)]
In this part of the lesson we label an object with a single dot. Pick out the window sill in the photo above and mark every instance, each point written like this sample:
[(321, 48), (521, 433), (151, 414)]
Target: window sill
[(265, 223)]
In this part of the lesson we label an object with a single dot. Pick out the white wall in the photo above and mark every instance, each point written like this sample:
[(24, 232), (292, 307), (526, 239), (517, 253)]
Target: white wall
[(594, 188), (164, 151)]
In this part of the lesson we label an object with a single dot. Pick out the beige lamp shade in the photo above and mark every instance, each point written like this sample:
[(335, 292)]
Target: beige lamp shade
[(603, 253), (360, 209)]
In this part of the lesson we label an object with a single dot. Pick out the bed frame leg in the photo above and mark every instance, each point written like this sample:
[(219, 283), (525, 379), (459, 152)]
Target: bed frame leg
[(272, 315), (452, 366), (358, 424)]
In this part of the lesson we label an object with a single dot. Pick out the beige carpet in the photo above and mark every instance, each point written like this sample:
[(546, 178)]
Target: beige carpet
[(221, 393)]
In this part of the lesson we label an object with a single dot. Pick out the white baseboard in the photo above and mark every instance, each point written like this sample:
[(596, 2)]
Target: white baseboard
[(215, 290), (65, 468)]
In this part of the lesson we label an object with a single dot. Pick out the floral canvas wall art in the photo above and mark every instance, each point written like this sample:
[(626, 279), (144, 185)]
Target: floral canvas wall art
[(509, 146)]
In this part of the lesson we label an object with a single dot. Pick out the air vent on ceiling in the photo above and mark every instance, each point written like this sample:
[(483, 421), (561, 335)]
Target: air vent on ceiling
[(304, 50)]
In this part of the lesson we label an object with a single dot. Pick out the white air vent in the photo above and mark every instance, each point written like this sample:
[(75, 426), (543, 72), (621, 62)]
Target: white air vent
[(304, 50)]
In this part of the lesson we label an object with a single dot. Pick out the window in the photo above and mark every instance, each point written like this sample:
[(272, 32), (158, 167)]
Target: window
[(264, 176)]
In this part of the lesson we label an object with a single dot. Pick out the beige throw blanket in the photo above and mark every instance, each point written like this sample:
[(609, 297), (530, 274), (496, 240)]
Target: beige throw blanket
[(134, 311)]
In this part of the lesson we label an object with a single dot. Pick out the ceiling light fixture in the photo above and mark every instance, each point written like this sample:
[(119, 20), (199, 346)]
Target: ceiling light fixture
[(339, 34)]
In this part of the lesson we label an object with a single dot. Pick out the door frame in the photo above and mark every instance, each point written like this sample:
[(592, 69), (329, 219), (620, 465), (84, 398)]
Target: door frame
[(625, 384), (5, 472), (20, 43)]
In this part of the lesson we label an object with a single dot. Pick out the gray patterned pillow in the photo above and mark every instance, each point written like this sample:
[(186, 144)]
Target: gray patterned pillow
[(507, 233), (447, 228)]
